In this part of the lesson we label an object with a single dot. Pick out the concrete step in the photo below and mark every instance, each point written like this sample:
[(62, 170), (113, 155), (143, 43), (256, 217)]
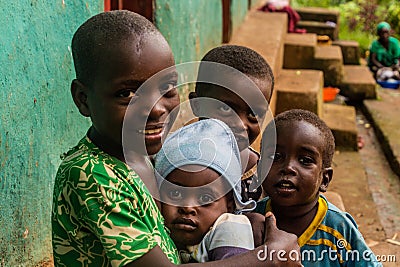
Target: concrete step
[(342, 121), (302, 52), (299, 89), (384, 115), (318, 14), (264, 33), (299, 50), (319, 28), (350, 51), (358, 83), (329, 59)]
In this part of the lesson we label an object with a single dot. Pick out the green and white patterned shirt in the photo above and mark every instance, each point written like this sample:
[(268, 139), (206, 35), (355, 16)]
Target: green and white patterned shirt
[(103, 214)]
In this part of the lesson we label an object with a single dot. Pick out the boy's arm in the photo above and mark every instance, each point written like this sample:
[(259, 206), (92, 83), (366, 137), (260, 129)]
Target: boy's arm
[(257, 222), (375, 61), (266, 255)]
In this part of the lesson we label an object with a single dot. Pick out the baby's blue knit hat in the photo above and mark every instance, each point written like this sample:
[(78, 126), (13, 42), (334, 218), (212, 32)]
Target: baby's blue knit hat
[(209, 143)]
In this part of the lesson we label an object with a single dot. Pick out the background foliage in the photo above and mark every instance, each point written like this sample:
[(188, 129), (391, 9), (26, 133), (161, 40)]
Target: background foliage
[(358, 18)]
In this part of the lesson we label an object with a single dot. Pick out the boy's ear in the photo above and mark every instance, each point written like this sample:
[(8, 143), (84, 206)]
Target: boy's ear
[(194, 104), (326, 179), (79, 95)]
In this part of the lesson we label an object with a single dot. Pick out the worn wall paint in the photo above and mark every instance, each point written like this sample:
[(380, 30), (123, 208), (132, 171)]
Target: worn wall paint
[(238, 12), (191, 27), (257, 3), (38, 120)]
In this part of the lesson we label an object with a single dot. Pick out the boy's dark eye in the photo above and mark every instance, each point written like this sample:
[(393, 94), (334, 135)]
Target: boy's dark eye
[(275, 157), (205, 199), (225, 109), (126, 93), (175, 195), (252, 116), (168, 89), (306, 160)]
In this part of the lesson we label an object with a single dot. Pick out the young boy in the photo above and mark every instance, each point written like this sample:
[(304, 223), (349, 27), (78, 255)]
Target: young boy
[(242, 99), (300, 170), (197, 206), (95, 191), (103, 213)]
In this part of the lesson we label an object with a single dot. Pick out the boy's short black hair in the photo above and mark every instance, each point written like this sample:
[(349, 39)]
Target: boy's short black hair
[(313, 119), (241, 58), (103, 31)]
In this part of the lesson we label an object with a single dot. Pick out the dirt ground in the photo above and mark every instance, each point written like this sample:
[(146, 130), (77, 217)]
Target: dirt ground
[(371, 194)]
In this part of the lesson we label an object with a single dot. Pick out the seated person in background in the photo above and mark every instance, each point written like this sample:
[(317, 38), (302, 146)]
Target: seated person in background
[(384, 55), (301, 169), (198, 207), (284, 6)]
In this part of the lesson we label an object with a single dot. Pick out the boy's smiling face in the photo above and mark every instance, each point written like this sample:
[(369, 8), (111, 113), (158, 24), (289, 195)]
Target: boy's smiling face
[(244, 117), (297, 174), (122, 68)]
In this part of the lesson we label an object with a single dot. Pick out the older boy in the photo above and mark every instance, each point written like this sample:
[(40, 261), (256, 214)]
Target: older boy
[(103, 213), (241, 101)]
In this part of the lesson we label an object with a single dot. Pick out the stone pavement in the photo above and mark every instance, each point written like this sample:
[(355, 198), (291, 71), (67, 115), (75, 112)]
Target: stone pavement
[(385, 116), (369, 188)]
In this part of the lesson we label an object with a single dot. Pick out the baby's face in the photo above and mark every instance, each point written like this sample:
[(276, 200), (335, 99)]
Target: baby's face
[(297, 172), (121, 71), (242, 108), (190, 204)]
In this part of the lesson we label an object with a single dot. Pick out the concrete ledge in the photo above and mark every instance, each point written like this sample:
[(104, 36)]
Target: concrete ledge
[(342, 121), (335, 199), (329, 59), (350, 51), (384, 115), (299, 50), (358, 83), (319, 28), (299, 89), (264, 33), (350, 180), (318, 14)]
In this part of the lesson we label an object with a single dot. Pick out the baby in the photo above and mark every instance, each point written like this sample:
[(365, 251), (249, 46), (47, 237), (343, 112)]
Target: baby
[(197, 206)]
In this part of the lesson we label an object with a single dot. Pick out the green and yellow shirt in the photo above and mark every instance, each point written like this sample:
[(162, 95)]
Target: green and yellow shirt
[(332, 238), (103, 214)]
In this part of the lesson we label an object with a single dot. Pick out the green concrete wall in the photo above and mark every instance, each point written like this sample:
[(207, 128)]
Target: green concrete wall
[(38, 120), (239, 10), (191, 27), (255, 3)]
